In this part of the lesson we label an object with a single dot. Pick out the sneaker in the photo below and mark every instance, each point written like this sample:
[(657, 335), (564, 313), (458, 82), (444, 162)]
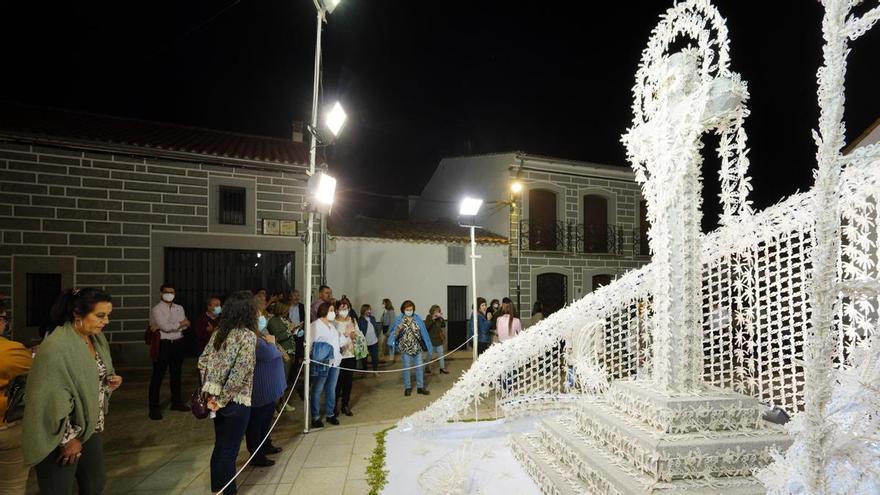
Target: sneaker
[(444, 371), (332, 420), (289, 408), (317, 424), (408, 392), (155, 414), (423, 391)]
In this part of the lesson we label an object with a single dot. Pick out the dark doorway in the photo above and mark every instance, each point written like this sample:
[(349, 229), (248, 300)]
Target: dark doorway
[(601, 280), (542, 220), (200, 273), (456, 314), (552, 291), (42, 291), (595, 224), (643, 245)]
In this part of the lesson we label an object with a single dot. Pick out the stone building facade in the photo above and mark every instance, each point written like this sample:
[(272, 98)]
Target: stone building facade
[(572, 227), (125, 205)]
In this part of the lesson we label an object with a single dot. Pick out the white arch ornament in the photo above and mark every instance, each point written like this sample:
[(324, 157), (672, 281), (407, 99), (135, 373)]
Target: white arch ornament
[(679, 96)]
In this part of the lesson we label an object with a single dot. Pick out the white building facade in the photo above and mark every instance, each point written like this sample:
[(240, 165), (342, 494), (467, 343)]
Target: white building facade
[(428, 263), (573, 227)]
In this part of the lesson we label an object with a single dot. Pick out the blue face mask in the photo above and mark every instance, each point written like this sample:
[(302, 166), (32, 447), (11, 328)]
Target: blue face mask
[(217, 310), (263, 322)]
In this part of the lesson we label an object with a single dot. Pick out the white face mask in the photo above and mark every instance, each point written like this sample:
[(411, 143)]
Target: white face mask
[(167, 297), (408, 312), (331, 315), (343, 313)]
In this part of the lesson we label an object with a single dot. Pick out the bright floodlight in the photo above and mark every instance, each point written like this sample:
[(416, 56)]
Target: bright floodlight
[(321, 190), (516, 187), (329, 5), (469, 207), (336, 119)]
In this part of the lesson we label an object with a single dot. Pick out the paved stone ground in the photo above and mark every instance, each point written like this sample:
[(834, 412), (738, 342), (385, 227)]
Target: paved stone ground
[(171, 456)]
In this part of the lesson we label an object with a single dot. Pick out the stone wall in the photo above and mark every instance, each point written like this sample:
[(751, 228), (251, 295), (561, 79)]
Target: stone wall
[(623, 202), (102, 209)]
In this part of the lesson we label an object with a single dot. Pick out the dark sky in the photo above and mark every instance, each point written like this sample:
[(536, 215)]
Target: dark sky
[(421, 80)]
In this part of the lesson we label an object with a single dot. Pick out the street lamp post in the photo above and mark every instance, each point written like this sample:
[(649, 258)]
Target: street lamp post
[(468, 218), (323, 8), (516, 188)]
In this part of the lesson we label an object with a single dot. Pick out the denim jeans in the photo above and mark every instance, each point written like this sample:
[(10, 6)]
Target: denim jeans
[(438, 350), (374, 356), (229, 427), (258, 427), (410, 361), (327, 384)]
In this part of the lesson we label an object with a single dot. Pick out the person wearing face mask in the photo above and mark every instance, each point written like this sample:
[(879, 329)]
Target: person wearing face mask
[(323, 377), (368, 326), (484, 335), (346, 325), (437, 330), (170, 320), (410, 336), (206, 323), (15, 361)]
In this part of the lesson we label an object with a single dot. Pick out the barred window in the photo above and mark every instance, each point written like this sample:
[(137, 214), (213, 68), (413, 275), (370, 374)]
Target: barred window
[(233, 205), (455, 255)]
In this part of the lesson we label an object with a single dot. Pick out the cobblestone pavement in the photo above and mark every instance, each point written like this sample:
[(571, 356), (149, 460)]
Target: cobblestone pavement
[(171, 456)]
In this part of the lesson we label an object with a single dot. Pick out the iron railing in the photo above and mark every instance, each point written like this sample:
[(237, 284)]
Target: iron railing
[(570, 237)]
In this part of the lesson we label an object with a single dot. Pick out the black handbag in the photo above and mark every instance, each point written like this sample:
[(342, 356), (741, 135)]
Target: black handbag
[(199, 402), (15, 399)]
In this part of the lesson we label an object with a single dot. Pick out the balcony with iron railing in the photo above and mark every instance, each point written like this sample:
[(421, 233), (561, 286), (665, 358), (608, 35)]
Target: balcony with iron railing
[(575, 238)]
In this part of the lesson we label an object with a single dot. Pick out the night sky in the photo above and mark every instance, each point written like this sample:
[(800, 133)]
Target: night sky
[(422, 80)]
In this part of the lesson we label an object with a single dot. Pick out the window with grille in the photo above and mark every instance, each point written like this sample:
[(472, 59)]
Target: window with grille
[(455, 255), (233, 205)]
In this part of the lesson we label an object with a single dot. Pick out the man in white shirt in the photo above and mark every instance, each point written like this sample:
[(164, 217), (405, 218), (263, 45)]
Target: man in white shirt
[(170, 321)]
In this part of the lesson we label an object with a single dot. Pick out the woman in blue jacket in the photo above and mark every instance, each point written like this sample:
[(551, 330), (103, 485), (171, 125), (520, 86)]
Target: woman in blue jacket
[(484, 326), (410, 337)]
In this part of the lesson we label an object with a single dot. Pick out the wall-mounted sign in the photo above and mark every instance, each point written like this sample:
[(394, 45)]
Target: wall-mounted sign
[(270, 226), (288, 227)]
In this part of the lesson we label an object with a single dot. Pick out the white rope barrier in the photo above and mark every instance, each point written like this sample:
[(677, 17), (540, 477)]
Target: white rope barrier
[(280, 413), (399, 369)]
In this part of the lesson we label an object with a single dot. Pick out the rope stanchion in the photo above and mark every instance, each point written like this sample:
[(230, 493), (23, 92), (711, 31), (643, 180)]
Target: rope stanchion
[(400, 369), (280, 413)]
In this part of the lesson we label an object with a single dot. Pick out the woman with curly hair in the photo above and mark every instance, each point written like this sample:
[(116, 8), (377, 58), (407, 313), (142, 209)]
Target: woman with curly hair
[(227, 365)]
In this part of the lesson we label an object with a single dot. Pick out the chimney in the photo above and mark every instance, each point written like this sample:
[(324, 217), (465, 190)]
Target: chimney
[(297, 132)]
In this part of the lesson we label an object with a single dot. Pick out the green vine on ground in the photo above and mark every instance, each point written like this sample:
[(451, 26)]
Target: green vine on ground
[(377, 475)]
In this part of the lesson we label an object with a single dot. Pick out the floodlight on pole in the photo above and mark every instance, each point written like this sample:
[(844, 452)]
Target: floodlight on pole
[(321, 191), (335, 119), (327, 5), (468, 210), (470, 207)]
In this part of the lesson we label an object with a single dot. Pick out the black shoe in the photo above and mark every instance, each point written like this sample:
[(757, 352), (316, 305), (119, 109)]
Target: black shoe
[(408, 392), (332, 420), (155, 414), (180, 407), (347, 411), (272, 450), (258, 462), (423, 391), (443, 370), (317, 424)]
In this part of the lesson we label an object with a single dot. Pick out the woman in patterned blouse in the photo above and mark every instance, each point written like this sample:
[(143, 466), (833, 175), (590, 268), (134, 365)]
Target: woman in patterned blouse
[(227, 367), (410, 336)]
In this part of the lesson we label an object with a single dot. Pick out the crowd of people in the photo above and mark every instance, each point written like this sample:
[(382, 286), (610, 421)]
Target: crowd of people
[(250, 347)]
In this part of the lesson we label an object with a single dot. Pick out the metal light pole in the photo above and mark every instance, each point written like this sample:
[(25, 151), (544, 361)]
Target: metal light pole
[(516, 211), (474, 286), (322, 9), (468, 218)]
